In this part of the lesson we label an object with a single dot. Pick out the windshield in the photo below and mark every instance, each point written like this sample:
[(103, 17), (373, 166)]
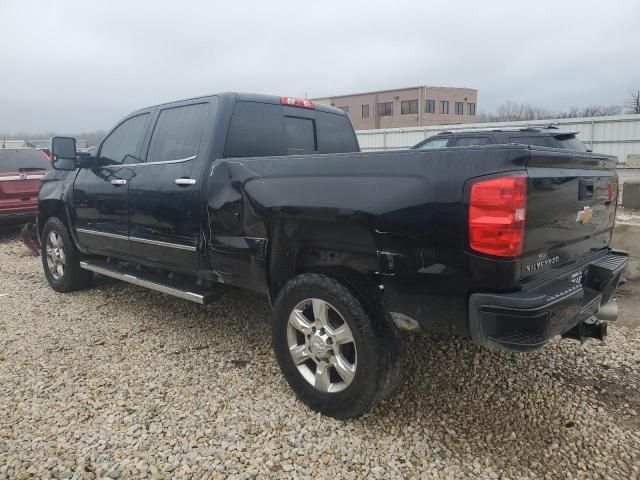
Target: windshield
[(15, 160)]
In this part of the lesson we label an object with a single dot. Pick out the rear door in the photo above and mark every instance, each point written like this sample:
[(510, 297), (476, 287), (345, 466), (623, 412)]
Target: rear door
[(164, 191), (20, 174), (100, 194), (571, 205)]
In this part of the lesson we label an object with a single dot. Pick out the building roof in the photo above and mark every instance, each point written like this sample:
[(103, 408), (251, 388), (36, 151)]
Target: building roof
[(393, 90)]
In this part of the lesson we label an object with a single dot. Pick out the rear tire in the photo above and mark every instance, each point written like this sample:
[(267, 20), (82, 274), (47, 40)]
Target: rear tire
[(61, 258), (335, 343)]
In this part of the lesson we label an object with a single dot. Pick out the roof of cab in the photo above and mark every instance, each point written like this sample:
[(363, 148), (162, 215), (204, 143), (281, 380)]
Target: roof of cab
[(248, 97)]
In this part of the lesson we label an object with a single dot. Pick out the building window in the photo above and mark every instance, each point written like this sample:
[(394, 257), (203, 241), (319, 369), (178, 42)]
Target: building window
[(385, 109), (430, 106), (444, 106), (459, 108), (365, 111), (408, 107), (344, 109), (471, 108)]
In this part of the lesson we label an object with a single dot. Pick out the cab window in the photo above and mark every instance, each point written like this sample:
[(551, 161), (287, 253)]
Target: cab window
[(178, 133), (471, 141), (434, 143), (123, 144), (533, 140)]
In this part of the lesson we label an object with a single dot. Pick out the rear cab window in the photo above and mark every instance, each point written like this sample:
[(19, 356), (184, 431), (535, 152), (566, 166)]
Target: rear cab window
[(264, 129)]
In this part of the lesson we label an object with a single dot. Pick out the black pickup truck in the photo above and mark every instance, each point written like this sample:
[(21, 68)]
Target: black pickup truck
[(506, 244)]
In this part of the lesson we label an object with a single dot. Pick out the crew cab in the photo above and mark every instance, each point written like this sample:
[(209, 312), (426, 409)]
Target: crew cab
[(506, 244), (20, 172)]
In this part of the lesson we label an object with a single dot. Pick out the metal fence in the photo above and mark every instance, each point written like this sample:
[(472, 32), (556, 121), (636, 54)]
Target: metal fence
[(617, 135)]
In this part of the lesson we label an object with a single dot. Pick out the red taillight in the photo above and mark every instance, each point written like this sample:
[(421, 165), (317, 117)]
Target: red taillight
[(297, 102), (497, 211)]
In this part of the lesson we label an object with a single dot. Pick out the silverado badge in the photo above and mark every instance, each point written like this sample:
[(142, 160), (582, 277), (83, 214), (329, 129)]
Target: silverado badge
[(584, 215)]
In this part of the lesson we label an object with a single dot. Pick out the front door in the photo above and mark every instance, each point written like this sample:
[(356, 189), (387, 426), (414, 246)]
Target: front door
[(164, 192), (100, 194)]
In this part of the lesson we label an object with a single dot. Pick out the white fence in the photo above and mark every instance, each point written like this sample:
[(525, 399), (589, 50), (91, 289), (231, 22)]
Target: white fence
[(618, 135)]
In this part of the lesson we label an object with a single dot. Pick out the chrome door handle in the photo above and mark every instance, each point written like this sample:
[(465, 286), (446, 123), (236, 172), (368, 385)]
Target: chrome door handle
[(118, 182), (185, 181)]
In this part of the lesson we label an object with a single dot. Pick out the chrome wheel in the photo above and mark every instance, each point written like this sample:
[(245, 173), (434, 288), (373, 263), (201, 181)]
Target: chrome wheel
[(321, 345), (56, 258)]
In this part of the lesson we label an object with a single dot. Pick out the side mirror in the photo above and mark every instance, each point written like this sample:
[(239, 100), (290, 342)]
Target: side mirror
[(63, 153)]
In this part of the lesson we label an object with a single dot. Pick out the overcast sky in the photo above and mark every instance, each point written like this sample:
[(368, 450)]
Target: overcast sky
[(73, 66)]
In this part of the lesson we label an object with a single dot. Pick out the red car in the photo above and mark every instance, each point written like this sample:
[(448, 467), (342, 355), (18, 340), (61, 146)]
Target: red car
[(20, 173)]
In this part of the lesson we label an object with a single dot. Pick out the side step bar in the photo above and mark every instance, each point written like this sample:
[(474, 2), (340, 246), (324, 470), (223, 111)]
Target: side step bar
[(159, 283)]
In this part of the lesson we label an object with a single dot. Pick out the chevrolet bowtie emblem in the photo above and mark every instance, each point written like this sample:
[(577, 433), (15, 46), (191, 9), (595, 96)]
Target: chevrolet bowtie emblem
[(584, 215)]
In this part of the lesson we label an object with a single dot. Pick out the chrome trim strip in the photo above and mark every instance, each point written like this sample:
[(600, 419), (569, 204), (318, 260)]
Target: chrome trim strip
[(102, 234), (11, 178), (178, 160), (158, 287), (158, 243), (163, 244)]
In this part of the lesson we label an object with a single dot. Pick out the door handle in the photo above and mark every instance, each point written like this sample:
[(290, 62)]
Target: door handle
[(117, 182), (184, 181)]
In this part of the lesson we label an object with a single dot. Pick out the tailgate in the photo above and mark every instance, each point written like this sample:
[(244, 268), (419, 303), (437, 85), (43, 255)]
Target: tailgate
[(571, 206), (19, 191)]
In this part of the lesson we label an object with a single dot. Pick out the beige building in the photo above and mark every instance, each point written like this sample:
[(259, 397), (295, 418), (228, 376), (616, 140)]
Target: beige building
[(407, 107)]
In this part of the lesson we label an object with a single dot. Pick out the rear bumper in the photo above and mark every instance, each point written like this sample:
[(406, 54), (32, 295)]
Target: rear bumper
[(526, 320), (12, 218)]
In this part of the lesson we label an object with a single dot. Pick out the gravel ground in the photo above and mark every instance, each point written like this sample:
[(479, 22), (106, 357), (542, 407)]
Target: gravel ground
[(120, 382)]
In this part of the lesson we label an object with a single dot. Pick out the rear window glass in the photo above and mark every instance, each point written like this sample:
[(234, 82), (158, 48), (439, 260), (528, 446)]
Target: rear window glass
[(301, 135), (534, 140), (471, 141), (178, 133), (12, 160), (263, 129), (335, 133), (570, 142)]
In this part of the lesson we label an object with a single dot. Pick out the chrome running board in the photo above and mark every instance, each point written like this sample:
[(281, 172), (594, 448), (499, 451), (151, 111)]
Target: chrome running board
[(156, 282)]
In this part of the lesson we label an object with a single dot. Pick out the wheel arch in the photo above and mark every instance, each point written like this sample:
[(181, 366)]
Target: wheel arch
[(51, 208), (301, 245)]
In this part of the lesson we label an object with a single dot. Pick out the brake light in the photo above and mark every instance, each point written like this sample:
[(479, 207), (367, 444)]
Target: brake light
[(297, 102), (497, 212)]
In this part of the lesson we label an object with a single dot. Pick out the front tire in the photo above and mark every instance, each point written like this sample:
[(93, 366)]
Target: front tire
[(61, 258), (335, 343)]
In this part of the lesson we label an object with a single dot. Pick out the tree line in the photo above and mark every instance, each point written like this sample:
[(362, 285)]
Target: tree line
[(512, 111)]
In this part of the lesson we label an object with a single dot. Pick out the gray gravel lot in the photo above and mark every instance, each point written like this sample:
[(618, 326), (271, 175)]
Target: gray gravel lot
[(120, 382)]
